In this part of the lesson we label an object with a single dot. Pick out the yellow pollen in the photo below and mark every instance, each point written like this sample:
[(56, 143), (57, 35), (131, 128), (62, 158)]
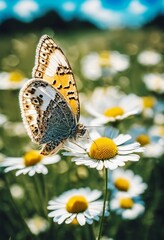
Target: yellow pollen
[(113, 112), (143, 139), (122, 184), (104, 59), (16, 76), (32, 157), (77, 204), (126, 203), (103, 148), (148, 102), (75, 222)]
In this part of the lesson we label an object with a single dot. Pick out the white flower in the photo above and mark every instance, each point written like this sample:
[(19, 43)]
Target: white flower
[(153, 144), (109, 105), (157, 130), (148, 105), (159, 119), (37, 224), (17, 191), (94, 65), (149, 57), (12, 80), (77, 206), (126, 181), (107, 149), (15, 129), (32, 162), (154, 82), (154, 149), (127, 207)]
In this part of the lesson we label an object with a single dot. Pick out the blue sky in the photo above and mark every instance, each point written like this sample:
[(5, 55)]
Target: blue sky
[(103, 13)]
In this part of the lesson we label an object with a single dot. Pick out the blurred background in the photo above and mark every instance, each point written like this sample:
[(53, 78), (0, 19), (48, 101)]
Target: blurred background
[(115, 43)]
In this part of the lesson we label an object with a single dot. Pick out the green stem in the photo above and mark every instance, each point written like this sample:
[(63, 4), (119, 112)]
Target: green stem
[(104, 204), (39, 193), (91, 232), (29, 233)]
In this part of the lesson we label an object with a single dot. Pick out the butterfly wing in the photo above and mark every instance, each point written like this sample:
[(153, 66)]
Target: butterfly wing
[(46, 115), (52, 66)]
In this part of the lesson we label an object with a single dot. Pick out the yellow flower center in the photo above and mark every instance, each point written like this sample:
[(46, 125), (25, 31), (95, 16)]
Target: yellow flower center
[(103, 148), (113, 112), (104, 59), (143, 139), (126, 203), (122, 184), (161, 130), (75, 222), (32, 157), (16, 76), (148, 102), (77, 204)]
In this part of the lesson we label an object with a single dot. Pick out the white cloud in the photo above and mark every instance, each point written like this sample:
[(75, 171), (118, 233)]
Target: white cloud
[(136, 7), (69, 6), (2, 5), (25, 8)]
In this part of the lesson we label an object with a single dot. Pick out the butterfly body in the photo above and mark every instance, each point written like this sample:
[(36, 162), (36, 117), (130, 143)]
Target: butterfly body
[(50, 105)]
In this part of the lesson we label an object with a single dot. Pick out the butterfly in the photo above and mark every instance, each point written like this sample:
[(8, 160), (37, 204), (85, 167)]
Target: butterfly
[(49, 102)]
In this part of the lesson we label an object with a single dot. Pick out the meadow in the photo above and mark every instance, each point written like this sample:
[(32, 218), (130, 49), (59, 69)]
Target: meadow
[(24, 199)]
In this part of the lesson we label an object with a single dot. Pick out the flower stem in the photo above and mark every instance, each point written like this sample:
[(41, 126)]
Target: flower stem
[(37, 183), (22, 220), (91, 232), (104, 204)]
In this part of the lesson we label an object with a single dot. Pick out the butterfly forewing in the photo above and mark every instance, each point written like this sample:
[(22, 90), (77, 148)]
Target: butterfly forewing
[(52, 66)]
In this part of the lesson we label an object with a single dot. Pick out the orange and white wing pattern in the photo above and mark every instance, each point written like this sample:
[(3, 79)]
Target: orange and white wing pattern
[(52, 66)]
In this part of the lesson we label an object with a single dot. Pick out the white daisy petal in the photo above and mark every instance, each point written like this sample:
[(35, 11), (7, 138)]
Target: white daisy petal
[(62, 218), (70, 219), (81, 219), (100, 165), (121, 139)]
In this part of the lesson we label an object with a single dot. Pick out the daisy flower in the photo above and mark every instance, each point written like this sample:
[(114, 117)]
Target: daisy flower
[(78, 206), (153, 144), (32, 162), (148, 104), (12, 80), (149, 57), (105, 149), (126, 181), (157, 130), (15, 129), (126, 206), (154, 82), (109, 105), (103, 64), (37, 224), (17, 191)]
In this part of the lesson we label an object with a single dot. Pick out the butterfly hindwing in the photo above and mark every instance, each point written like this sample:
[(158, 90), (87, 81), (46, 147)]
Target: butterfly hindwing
[(47, 116), (52, 66)]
